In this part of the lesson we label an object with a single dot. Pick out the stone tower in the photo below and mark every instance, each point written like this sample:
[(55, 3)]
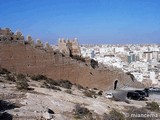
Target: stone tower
[(69, 47)]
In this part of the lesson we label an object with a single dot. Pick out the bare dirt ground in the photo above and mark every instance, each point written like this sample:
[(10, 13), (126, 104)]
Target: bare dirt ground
[(33, 104)]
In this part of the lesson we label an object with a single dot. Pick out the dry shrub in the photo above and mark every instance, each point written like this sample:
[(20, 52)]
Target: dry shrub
[(10, 77), (89, 93), (4, 71), (81, 112), (68, 91), (39, 77), (100, 92), (62, 83), (133, 113), (50, 86), (21, 82), (153, 106), (114, 115)]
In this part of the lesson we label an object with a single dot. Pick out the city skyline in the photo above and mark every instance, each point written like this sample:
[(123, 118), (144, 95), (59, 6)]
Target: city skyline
[(92, 22)]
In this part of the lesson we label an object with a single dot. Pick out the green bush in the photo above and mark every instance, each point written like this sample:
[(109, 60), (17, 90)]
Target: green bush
[(21, 82), (153, 106)]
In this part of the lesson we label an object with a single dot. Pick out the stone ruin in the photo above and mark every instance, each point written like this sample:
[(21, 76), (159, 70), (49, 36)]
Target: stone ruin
[(69, 47)]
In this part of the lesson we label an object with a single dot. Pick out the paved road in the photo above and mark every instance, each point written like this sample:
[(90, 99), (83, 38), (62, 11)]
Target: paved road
[(121, 94)]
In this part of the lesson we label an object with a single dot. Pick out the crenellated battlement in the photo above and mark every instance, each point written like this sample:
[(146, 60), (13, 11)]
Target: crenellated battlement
[(7, 35), (68, 46), (65, 46)]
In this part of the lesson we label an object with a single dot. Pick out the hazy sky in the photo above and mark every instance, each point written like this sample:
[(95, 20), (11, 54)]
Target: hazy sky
[(91, 21)]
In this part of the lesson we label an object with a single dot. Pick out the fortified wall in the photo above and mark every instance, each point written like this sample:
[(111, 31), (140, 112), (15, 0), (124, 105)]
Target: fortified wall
[(69, 47), (27, 57), (7, 35)]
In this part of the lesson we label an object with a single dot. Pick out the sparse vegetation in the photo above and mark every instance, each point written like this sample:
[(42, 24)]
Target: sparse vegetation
[(153, 106), (95, 88), (81, 112), (80, 87), (50, 86), (4, 71), (21, 82), (10, 77), (55, 88), (65, 84), (100, 92), (38, 77), (114, 115), (52, 82), (89, 93), (68, 91), (134, 111), (62, 83)]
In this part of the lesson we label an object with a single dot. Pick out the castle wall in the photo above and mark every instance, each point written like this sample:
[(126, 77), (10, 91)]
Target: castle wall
[(21, 58), (69, 47)]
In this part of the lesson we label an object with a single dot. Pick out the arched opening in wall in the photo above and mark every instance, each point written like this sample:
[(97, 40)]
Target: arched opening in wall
[(11, 38), (115, 84)]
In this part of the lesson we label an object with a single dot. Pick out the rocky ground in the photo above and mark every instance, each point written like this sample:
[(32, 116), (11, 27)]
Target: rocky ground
[(41, 103)]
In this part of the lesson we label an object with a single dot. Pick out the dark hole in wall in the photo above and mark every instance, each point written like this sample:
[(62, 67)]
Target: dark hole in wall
[(115, 84)]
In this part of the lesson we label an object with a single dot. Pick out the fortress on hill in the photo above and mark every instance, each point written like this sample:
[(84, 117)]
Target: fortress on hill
[(20, 55)]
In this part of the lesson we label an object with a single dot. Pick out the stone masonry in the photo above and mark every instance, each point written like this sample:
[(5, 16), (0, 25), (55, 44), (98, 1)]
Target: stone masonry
[(69, 47), (32, 59)]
